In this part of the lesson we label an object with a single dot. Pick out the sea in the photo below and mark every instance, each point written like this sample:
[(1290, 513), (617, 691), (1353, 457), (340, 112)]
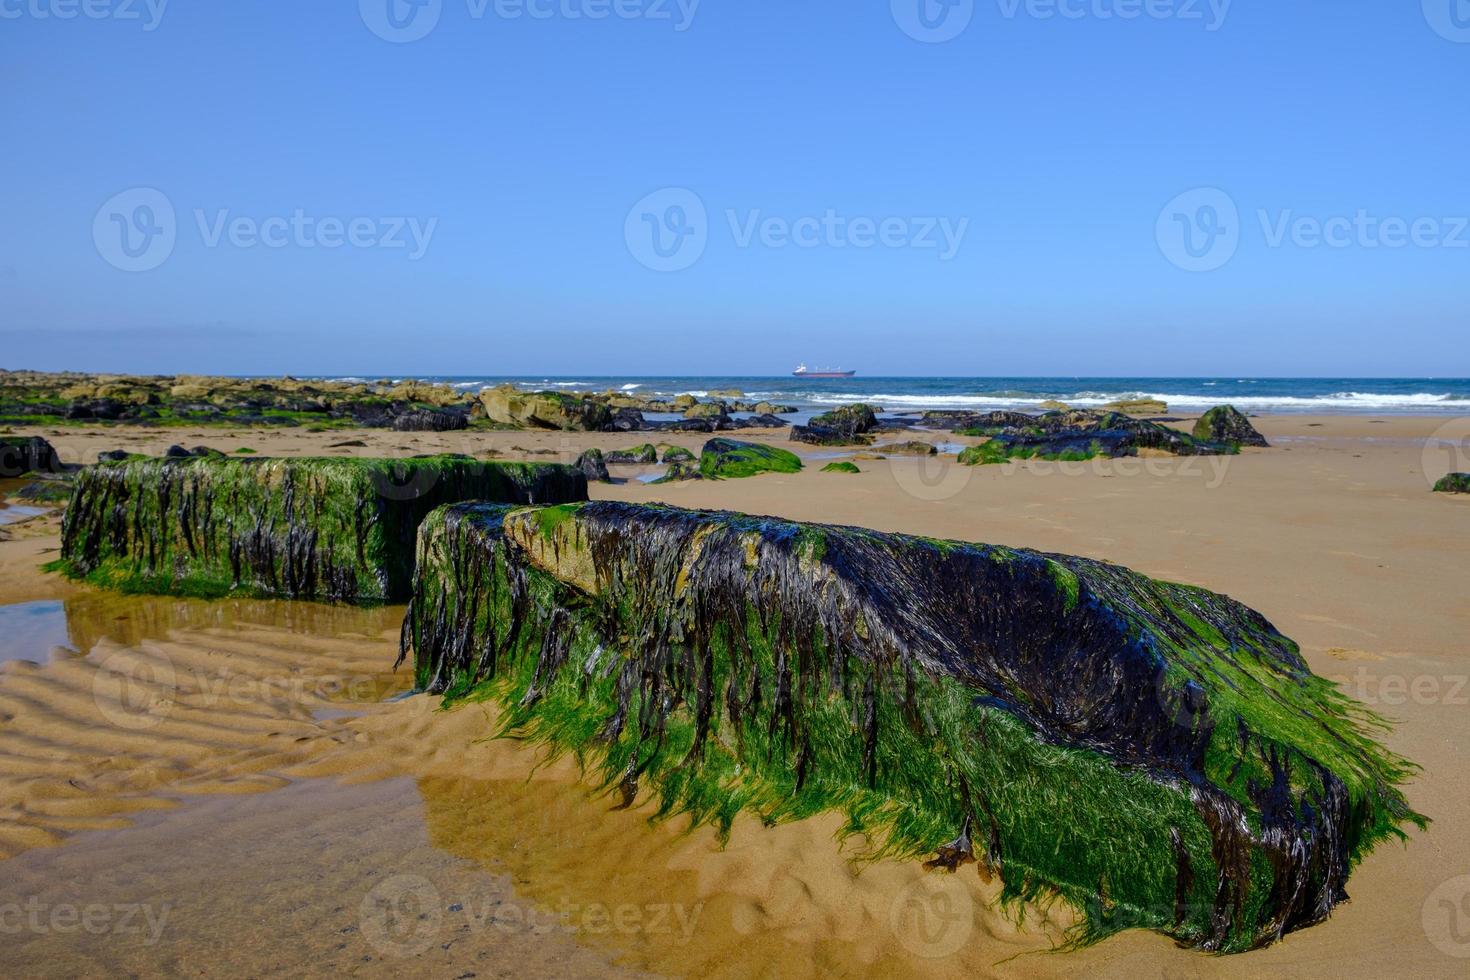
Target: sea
[(1378, 396)]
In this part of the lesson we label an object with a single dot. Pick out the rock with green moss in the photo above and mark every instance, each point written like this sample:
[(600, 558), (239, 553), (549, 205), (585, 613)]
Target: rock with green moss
[(707, 410), (1081, 434), (326, 529), (644, 455), (848, 425), (1453, 483), (676, 454), (910, 448), (1156, 755), (20, 455), (594, 466), (841, 467), (727, 459), (1226, 425)]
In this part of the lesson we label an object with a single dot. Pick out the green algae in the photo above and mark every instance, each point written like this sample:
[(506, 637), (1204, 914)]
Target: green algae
[(841, 467), (1156, 755), (330, 529), (727, 459), (1453, 483)]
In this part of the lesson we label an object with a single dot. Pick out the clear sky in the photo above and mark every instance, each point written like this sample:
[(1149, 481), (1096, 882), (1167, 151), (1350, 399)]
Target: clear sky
[(493, 187)]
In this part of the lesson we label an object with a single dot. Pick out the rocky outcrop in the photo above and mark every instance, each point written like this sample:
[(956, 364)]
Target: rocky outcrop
[(1154, 755), (643, 455), (20, 455), (428, 420), (1453, 483), (1226, 425), (1080, 434), (911, 448), (707, 410), (509, 405), (325, 529), (675, 454), (845, 426)]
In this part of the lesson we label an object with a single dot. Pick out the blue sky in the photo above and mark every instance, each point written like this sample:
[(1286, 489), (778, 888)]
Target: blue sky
[(520, 148)]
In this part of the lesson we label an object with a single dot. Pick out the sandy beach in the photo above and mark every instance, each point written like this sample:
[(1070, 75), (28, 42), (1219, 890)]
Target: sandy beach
[(235, 788)]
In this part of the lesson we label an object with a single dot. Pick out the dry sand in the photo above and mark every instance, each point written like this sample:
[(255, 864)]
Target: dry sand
[(233, 769)]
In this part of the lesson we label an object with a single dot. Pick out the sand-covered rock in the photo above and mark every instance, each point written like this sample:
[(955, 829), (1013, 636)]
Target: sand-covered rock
[(1157, 755), (328, 529)]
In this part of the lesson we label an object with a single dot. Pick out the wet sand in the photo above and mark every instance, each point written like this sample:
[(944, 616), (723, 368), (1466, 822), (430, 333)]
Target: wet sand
[(242, 764)]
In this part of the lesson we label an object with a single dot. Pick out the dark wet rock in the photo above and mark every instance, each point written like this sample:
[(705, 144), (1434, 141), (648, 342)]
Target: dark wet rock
[(348, 444), (20, 455), (322, 529), (681, 469), (1227, 426), (1157, 755), (763, 421), (113, 455), (643, 455), (1080, 434), (101, 410), (430, 420), (979, 423), (628, 420), (201, 451), (177, 452), (594, 465), (1453, 483), (688, 425)]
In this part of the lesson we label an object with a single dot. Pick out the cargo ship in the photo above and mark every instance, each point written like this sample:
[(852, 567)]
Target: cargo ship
[(802, 371)]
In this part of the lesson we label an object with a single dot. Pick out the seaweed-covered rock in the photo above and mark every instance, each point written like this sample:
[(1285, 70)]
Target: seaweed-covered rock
[(675, 454), (594, 465), (763, 420), (1453, 483), (1157, 755), (707, 410), (841, 467), (1079, 434), (680, 470), (981, 424), (29, 454), (544, 409), (1226, 425), (726, 459), (643, 455), (845, 426), (335, 529), (429, 420)]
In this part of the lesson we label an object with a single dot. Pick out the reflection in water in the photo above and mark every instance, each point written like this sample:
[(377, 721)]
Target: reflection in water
[(32, 631)]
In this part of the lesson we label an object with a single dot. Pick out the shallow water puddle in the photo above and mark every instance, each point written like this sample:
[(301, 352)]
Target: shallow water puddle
[(33, 631)]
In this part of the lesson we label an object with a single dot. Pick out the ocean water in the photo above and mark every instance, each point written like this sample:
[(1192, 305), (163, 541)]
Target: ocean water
[(1307, 395)]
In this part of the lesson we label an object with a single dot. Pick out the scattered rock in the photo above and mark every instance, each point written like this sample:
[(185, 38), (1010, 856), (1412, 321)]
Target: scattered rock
[(907, 449), (1225, 424), (643, 455), (1454, 483), (841, 467), (594, 466)]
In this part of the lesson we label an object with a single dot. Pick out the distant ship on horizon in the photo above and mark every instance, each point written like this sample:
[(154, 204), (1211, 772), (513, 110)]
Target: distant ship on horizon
[(802, 371)]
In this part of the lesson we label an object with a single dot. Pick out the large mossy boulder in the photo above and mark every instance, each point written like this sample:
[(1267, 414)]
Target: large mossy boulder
[(509, 405), (727, 459), (328, 529), (1453, 483), (20, 455), (845, 426), (1157, 755), (1226, 425)]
